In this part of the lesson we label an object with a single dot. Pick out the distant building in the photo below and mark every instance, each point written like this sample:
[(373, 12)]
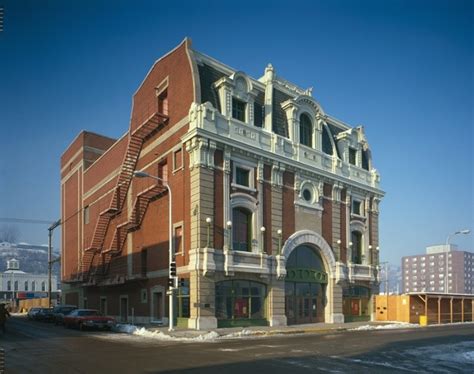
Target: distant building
[(442, 266), (13, 281)]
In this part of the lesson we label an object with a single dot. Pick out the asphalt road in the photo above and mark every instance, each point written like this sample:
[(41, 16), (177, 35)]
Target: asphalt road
[(34, 347)]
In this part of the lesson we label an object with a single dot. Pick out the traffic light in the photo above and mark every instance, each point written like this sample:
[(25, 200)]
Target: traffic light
[(170, 282), (173, 269)]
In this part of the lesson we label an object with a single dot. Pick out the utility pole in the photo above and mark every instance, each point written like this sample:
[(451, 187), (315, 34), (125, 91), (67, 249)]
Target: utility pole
[(50, 253)]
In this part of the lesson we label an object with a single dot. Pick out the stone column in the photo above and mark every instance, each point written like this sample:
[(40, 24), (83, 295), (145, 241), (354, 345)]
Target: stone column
[(276, 302), (202, 300)]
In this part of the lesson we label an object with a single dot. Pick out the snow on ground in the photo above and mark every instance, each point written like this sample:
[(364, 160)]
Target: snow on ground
[(389, 326), (159, 335)]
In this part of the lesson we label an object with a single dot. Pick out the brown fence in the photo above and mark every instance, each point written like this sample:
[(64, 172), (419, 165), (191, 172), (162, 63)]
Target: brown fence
[(439, 308)]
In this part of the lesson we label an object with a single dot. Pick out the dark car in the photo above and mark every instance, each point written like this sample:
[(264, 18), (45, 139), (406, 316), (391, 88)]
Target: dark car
[(44, 314), (32, 312), (88, 319), (59, 311)]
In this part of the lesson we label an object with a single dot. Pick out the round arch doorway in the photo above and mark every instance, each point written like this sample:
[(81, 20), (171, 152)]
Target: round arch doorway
[(305, 286)]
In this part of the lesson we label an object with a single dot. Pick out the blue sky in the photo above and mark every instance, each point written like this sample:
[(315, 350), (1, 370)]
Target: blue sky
[(403, 69)]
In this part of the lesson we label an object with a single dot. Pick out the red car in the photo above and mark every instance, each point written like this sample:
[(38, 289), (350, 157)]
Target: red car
[(88, 318)]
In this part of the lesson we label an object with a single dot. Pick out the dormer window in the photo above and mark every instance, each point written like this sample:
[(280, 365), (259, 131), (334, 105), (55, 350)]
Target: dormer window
[(306, 130), (238, 109), (352, 156)]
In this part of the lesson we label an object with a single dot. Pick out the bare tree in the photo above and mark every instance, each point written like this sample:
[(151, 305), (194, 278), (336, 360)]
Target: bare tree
[(9, 233)]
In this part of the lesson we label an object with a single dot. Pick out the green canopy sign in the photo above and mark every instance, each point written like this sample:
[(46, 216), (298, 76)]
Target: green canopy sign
[(306, 275)]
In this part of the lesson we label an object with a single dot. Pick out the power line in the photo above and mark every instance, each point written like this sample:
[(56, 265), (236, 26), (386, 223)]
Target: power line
[(26, 220)]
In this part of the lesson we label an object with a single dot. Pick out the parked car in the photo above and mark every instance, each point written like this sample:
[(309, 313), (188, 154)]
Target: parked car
[(32, 312), (44, 315), (59, 311), (88, 318)]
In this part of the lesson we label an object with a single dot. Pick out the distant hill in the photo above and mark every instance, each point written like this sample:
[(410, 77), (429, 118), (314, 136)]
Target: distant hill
[(32, 258)]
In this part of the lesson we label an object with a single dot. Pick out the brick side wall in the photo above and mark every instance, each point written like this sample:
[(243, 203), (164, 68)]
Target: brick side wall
[(175, 66)]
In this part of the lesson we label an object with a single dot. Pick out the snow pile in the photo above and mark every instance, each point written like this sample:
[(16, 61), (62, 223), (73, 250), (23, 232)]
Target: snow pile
[(244, 332), (390, 326), (125, 328), (159, 335)]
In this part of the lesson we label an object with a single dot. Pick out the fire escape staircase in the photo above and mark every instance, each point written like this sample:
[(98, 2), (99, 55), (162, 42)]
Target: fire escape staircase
[(135, 143), (140, 207)]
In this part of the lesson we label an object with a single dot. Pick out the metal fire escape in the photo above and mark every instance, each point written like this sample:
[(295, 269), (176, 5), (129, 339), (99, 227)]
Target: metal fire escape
[(135, 143)]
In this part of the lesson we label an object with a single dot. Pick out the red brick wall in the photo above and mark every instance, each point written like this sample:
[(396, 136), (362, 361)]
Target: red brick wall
[(218, 200), (343, 227), (327, 213), (177, 68), (267, 208), (288, 204)]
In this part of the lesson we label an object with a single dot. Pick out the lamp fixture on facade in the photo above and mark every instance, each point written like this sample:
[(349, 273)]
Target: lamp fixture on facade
[(279, 232), (208, 221)]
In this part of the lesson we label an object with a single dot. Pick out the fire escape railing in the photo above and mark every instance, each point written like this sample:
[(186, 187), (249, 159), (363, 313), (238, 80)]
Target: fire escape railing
[(135, 143)]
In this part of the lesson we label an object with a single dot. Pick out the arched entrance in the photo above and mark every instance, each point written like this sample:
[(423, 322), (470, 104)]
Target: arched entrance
[(305, 286)]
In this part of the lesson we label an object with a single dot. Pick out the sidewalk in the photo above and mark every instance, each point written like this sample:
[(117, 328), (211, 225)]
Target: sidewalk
[(314, 328)]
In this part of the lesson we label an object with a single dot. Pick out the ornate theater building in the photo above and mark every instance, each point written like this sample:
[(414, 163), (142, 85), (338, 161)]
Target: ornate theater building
[(271, 203)]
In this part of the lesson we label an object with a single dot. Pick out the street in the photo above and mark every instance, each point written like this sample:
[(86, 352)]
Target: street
[(33, 347)]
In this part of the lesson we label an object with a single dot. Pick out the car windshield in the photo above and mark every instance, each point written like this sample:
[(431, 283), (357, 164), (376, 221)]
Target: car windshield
[(88, 313)]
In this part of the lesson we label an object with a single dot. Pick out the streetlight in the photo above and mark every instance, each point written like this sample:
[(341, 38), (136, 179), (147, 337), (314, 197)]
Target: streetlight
[(50, 260), (142, 174), (464, 232)]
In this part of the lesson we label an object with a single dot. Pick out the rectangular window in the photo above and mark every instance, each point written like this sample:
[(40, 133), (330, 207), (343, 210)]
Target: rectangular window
[(163, 171), (178, 239), (86, 215), (144, 261), (238, 109), (163, 102), (242, 177), (356, 207), (178, 159), (352, 156)]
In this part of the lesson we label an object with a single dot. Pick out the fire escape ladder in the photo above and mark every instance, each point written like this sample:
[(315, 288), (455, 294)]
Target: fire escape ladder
[(135, 143)]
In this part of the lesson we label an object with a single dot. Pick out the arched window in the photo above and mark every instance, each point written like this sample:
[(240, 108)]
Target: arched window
[(43, 286), (356, 238), (26, 285), (33, 286), (306, 130), (241, 229)]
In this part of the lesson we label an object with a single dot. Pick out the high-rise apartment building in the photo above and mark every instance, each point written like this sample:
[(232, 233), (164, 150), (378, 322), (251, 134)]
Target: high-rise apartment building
[(442, 269)]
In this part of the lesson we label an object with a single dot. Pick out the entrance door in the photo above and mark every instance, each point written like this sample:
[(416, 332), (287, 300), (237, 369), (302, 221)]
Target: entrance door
[(157, 306), (124, 309), (303, 303)]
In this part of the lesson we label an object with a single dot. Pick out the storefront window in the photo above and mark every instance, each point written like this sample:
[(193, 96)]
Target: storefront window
[(239, 300)]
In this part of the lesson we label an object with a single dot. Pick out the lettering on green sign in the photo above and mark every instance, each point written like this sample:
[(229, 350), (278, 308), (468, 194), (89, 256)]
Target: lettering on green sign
[(306, 275)]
